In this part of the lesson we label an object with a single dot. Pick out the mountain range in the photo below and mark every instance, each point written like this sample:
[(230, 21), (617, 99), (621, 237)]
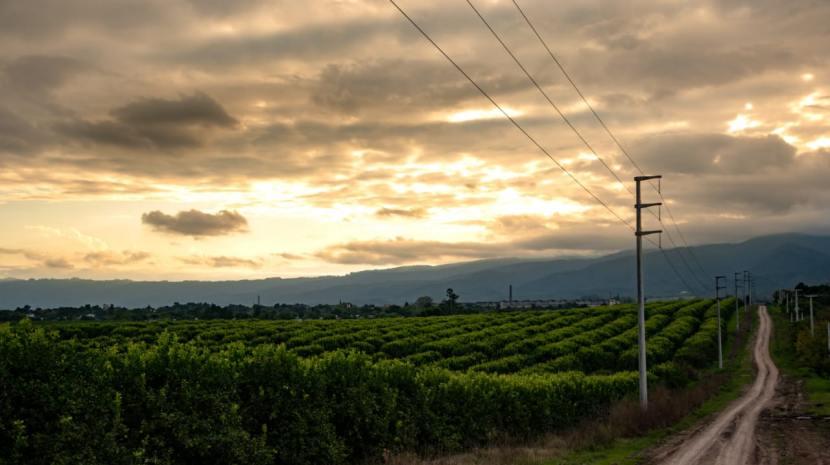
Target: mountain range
[(775, 261)]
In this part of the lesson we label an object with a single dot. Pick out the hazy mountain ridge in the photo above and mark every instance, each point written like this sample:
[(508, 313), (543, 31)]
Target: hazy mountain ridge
[(778, 260)]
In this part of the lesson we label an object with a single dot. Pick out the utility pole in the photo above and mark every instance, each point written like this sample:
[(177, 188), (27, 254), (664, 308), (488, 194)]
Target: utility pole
[(746, 285), (812, 326), (641, 312), (737, 310), (718, 287), (797, 311), (749, 296), (787, 299)]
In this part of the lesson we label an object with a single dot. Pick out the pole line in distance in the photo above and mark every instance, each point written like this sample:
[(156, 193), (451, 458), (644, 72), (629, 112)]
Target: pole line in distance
[(718, 287)]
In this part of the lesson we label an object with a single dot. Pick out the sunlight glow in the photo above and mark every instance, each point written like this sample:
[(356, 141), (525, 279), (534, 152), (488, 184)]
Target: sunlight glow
[(479, 114), (807, 77), (511, 202), (741, 123), (806, 106), (820, 143)]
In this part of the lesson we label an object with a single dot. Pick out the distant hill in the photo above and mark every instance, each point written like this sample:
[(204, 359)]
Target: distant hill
[(776, 261)]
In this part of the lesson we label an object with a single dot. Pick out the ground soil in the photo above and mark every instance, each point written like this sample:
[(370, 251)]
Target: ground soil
[(789, 436)]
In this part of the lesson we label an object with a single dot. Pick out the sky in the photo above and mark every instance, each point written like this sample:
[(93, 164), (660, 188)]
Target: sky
[(205, 139)]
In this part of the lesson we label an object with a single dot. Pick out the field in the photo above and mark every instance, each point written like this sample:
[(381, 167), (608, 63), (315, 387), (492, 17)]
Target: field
[(327, 391)]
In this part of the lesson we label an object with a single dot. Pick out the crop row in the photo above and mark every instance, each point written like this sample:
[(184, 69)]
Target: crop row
[(173, 403), (596, 340)]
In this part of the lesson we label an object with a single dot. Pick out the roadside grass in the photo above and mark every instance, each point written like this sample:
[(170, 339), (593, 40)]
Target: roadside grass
[(729, 384), (816, 387)]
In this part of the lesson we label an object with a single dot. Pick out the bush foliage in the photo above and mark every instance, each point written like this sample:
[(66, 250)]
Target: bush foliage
[(323, 394)]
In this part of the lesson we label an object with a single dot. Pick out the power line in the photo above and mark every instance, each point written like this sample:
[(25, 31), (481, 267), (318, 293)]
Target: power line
[(671, 265), (545, 94), (608, 131), (523, 131), (506, 115), (574, 128)]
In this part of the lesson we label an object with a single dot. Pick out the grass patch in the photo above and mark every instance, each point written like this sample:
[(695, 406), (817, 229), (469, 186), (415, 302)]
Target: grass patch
[(816, 387), (710, 395)]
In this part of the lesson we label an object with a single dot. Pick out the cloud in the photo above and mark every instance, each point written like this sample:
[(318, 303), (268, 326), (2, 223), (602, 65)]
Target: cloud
[(691, 153), (18, 136), (110, 258), (587, 238), (345, 106), (154, 124), (222, 261), (402, 212), (57, 262), (196, 223), (313, 41), (198, 108), (382, 87), (43, 260), (401, 250), (288, 256), (41, 73)]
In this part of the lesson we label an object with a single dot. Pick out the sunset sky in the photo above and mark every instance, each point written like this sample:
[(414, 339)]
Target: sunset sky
[(210, 139)]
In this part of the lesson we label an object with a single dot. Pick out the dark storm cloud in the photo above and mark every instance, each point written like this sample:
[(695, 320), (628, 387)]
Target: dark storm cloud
[(41, 73), (46, 19), (17, 136), (198, 108), (714, 153), (668, 68), (196, 223), (321, 41), (783, 190), (392, 85), (154, 123), (223, 8)]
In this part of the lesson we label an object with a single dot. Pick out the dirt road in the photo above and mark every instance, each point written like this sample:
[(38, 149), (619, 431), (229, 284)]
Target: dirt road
[(730, 438)]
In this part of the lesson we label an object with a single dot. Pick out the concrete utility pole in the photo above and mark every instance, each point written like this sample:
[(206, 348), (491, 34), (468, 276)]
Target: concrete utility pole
[(787, 299), (641, 312), (749, 292), (812, 324), (718, 287), (797, 311), (737, 310)]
